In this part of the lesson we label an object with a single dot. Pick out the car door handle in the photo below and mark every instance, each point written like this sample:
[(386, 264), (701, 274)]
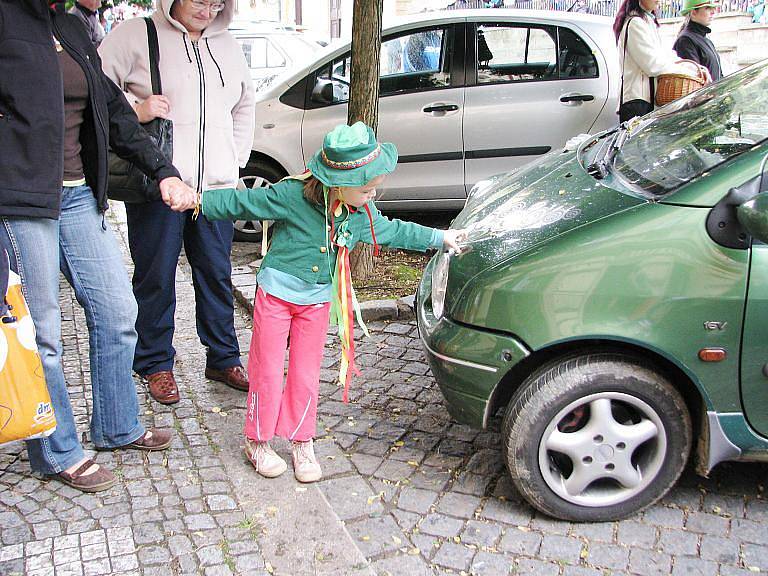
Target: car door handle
[(577, 98), (440, 108)]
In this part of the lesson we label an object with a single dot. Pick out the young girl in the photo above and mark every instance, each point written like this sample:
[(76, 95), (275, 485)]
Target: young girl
[(319, 217)]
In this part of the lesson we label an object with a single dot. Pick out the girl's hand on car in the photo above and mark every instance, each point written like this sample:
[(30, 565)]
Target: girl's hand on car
[(451, 239), (156, 106)]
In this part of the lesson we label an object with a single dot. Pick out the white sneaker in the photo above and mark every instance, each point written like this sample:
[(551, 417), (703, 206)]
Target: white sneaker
[(305, 466), (266, 461)]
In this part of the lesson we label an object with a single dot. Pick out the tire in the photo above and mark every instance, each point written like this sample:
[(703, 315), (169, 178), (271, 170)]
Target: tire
[(260, 174), (626, 430)]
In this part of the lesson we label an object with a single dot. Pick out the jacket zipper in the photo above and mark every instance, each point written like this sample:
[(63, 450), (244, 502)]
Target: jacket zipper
[(201, 125)]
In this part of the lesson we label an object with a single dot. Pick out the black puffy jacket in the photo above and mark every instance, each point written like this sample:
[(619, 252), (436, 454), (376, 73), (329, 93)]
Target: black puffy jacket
[(32, 113)]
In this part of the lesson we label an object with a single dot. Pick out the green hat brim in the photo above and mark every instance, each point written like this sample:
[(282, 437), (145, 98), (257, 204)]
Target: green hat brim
[(383, 164), (685, 11)]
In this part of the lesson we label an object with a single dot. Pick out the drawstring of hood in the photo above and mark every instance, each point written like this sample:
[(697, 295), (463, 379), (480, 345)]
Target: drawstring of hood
[(221, 76), (186, 48)]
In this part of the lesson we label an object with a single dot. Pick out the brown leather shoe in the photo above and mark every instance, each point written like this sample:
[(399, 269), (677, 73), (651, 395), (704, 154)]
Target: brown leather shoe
[(152, 439), (101, 479), (162, 387), (234, 377)]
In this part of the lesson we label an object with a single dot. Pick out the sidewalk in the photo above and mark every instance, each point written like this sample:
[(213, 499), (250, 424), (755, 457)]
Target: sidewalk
[(406, 491)]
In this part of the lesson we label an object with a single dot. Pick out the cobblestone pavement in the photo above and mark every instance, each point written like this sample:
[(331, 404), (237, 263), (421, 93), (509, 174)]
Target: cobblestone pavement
[(406, 491)]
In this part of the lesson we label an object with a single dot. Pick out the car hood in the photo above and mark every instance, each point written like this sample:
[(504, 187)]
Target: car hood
[(519, 211)]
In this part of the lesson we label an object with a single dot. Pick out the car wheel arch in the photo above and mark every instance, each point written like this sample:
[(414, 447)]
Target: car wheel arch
[(696, 399), (259, 157)]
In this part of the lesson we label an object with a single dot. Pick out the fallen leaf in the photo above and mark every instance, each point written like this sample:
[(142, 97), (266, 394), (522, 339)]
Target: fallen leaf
[(584, 553), (399, 443), (413, 463), (396, 540), (269, 567), (222, 413), (457, 539), (365, 538), (216, 409), (414, 551)]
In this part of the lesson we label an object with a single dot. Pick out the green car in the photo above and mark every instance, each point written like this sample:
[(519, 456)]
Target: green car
[(612, 300)]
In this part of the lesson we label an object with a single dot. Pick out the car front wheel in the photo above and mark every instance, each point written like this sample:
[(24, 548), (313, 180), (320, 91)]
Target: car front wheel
[(596, 437)]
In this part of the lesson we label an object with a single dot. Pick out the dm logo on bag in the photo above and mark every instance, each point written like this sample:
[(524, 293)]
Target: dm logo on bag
[(44, 413)]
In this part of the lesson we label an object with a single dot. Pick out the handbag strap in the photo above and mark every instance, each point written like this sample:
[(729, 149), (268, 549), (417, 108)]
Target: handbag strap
[(154, 56)]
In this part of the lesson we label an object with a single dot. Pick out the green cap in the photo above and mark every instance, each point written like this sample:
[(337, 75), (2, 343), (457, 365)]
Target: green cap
[(689, 5), (351, 156)]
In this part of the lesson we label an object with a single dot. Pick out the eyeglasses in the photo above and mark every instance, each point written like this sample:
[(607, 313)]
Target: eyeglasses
[(214, 7)]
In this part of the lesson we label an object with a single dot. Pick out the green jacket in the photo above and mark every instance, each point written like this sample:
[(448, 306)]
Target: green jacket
[(298, 246)]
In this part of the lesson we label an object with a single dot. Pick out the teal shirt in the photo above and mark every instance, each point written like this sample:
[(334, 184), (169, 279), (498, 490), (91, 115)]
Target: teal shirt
[(299, 246)]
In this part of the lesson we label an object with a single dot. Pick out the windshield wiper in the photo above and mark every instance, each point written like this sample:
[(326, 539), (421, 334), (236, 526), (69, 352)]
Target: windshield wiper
[(600, 165)]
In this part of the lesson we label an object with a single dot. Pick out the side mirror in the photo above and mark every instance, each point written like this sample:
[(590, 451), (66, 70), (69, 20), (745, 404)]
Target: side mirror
[(322, 93), (753, 216)]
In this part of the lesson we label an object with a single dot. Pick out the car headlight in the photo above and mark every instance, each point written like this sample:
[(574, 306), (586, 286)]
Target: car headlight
[(439, 284), (479, 187)]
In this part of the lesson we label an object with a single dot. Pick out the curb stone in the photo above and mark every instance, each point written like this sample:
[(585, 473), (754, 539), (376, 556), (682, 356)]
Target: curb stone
[(244, 285)]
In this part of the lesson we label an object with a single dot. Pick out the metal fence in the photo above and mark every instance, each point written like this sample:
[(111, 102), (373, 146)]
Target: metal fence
[(667, 9)]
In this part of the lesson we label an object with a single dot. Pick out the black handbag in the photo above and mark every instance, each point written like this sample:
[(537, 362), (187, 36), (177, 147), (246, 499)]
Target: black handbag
[(126, 182)]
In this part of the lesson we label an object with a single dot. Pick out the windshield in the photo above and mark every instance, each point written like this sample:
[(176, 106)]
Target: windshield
[(690, 136)]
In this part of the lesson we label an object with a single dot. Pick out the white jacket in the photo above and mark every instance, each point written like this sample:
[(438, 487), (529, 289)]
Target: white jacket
[(207, 82), (645, 57)]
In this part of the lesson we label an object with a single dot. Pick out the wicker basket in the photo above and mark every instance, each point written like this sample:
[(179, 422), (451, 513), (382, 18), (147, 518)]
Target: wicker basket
[(670, 87)]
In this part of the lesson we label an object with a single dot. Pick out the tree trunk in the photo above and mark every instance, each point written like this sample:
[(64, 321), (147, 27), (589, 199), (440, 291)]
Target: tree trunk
[(364, 96)]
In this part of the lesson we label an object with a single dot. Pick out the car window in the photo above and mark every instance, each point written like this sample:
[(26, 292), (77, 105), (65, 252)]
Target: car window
[(255, 50), (508, 53), (260, 52), (576, 59), (681, 141), (416, 61), (274, 58)]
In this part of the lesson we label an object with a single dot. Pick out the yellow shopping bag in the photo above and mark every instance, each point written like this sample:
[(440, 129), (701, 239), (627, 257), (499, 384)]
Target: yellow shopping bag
[(25, 405)]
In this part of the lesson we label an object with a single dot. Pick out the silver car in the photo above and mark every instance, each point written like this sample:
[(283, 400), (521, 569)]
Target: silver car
[(270, 49), (465, 94)]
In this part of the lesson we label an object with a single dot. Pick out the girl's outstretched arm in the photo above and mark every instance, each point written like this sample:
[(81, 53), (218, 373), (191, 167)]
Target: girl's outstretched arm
[(272, 203)]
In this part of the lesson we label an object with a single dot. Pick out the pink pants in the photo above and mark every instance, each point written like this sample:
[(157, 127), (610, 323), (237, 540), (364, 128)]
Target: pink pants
[(291, 412)]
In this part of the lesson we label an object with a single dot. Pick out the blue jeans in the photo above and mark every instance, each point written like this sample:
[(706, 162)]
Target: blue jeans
[(156, 235), (81, 245)]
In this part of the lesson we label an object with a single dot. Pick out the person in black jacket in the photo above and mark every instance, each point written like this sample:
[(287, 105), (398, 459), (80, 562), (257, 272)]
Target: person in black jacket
[(692, 42), (58, 115)]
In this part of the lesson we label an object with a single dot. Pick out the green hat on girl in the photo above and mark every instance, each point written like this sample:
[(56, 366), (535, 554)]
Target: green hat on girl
[(689, 5), (351, 156)]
